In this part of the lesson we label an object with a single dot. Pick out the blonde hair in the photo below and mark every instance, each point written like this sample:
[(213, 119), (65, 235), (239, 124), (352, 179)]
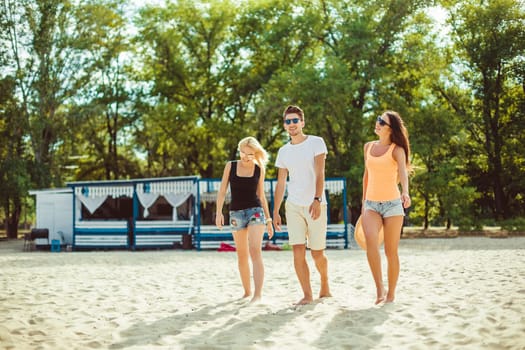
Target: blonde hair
[(261, 156)]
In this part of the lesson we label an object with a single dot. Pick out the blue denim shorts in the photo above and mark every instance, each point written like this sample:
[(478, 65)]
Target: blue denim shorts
[(386, 209), (240, 219)]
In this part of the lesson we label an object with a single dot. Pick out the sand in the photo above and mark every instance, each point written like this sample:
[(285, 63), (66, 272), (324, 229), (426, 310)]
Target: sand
[(461, 293)]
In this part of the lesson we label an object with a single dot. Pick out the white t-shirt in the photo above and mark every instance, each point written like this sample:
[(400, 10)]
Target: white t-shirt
[(299, 161)]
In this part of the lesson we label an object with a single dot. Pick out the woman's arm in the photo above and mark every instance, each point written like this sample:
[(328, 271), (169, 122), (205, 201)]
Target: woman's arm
[(221, 195), (365, 172), (264, 203), (399, 156)]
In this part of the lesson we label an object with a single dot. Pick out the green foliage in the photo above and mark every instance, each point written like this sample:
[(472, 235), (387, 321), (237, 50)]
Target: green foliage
[(490, 42), (14, 165), (209, 67), (514, 225), (469, 224)]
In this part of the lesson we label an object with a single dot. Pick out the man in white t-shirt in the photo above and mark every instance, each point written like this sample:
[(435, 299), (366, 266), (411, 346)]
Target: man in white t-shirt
[(303, 160)]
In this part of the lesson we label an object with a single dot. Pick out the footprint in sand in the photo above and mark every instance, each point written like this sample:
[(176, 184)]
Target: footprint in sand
[(35, 333), (94, 345)]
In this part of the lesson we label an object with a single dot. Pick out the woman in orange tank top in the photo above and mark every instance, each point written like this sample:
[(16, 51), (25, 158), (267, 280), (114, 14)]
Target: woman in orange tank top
[(386, 166)]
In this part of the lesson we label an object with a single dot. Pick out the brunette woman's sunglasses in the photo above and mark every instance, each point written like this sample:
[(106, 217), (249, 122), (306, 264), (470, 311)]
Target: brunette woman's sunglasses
[(382, 122)]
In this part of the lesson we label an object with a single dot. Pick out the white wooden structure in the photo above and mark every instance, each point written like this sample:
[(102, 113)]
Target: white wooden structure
[(54, 211)]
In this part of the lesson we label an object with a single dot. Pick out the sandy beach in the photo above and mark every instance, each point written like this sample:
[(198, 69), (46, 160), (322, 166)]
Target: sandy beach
[(460, 293)]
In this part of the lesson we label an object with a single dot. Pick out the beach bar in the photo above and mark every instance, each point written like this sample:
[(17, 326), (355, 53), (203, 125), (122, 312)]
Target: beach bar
[(133, 214), (169, 212)]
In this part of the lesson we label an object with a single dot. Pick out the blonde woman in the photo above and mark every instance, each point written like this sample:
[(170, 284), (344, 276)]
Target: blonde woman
[(249, 215), (387, 163)]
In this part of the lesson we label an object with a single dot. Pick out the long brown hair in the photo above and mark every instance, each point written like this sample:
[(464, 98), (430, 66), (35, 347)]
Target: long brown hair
[(399, 134)]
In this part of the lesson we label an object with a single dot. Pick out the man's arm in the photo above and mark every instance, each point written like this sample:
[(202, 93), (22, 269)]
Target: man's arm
[(319, 165), (279, 196)]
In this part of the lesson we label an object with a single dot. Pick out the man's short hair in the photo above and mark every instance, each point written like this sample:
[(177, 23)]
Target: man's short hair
[(293, 109)]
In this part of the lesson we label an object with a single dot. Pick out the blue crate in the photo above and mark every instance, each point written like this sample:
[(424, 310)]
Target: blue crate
[(55, 245)]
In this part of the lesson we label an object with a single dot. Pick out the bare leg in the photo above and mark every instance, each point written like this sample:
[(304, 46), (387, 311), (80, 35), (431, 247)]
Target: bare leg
[(303, 273), (255, 237), (241, 243), (372, 222), (321, 262), (392, 226)]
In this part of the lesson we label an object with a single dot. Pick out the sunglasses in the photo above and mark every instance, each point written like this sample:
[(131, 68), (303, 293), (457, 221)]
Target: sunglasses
[(289, 121), (382, 122), (247, 155)]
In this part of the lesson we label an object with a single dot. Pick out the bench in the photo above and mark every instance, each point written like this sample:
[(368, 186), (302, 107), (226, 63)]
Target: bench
[(157, 233), (101, 234), (40, 234), (210, 236)]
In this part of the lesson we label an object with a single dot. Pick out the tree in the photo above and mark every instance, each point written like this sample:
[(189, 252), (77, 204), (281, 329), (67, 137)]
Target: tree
[(39, 57), (209, 65), (103, 111), (362, 61), (48, 63), (14, 174), (490, 43)]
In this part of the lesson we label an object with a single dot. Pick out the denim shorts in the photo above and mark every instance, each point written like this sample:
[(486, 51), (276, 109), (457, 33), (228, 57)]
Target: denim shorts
[(386, 209), (240, 219)]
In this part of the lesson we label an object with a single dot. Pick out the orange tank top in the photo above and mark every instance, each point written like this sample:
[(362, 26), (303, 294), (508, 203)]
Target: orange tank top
[(382, 176)]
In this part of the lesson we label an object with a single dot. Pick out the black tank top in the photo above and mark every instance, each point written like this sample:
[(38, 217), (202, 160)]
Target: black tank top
[(244, 189)]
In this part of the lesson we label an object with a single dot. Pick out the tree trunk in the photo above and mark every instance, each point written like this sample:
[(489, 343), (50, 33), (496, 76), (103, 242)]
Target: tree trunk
[(427, 210), (13, 219)]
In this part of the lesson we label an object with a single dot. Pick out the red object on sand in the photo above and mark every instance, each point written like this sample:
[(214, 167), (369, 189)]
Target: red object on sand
[(271, 246), (226, 248)]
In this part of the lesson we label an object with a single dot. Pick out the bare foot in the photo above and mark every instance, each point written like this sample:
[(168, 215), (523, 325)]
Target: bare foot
[(389, 298), (255, 299), (325, 292), (246, 295), (305, 301), (381, 297)]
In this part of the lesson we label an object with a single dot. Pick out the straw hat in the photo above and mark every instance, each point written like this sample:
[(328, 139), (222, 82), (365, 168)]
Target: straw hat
[(359, 234)]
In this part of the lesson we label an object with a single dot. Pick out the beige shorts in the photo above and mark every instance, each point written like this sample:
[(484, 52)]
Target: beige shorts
[(303, 229)]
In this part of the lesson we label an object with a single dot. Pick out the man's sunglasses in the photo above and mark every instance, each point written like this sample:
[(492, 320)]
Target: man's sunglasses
[(382, 122), (289, 121)]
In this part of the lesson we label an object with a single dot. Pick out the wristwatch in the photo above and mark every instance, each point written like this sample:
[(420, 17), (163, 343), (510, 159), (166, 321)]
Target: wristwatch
[(319, 199)]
